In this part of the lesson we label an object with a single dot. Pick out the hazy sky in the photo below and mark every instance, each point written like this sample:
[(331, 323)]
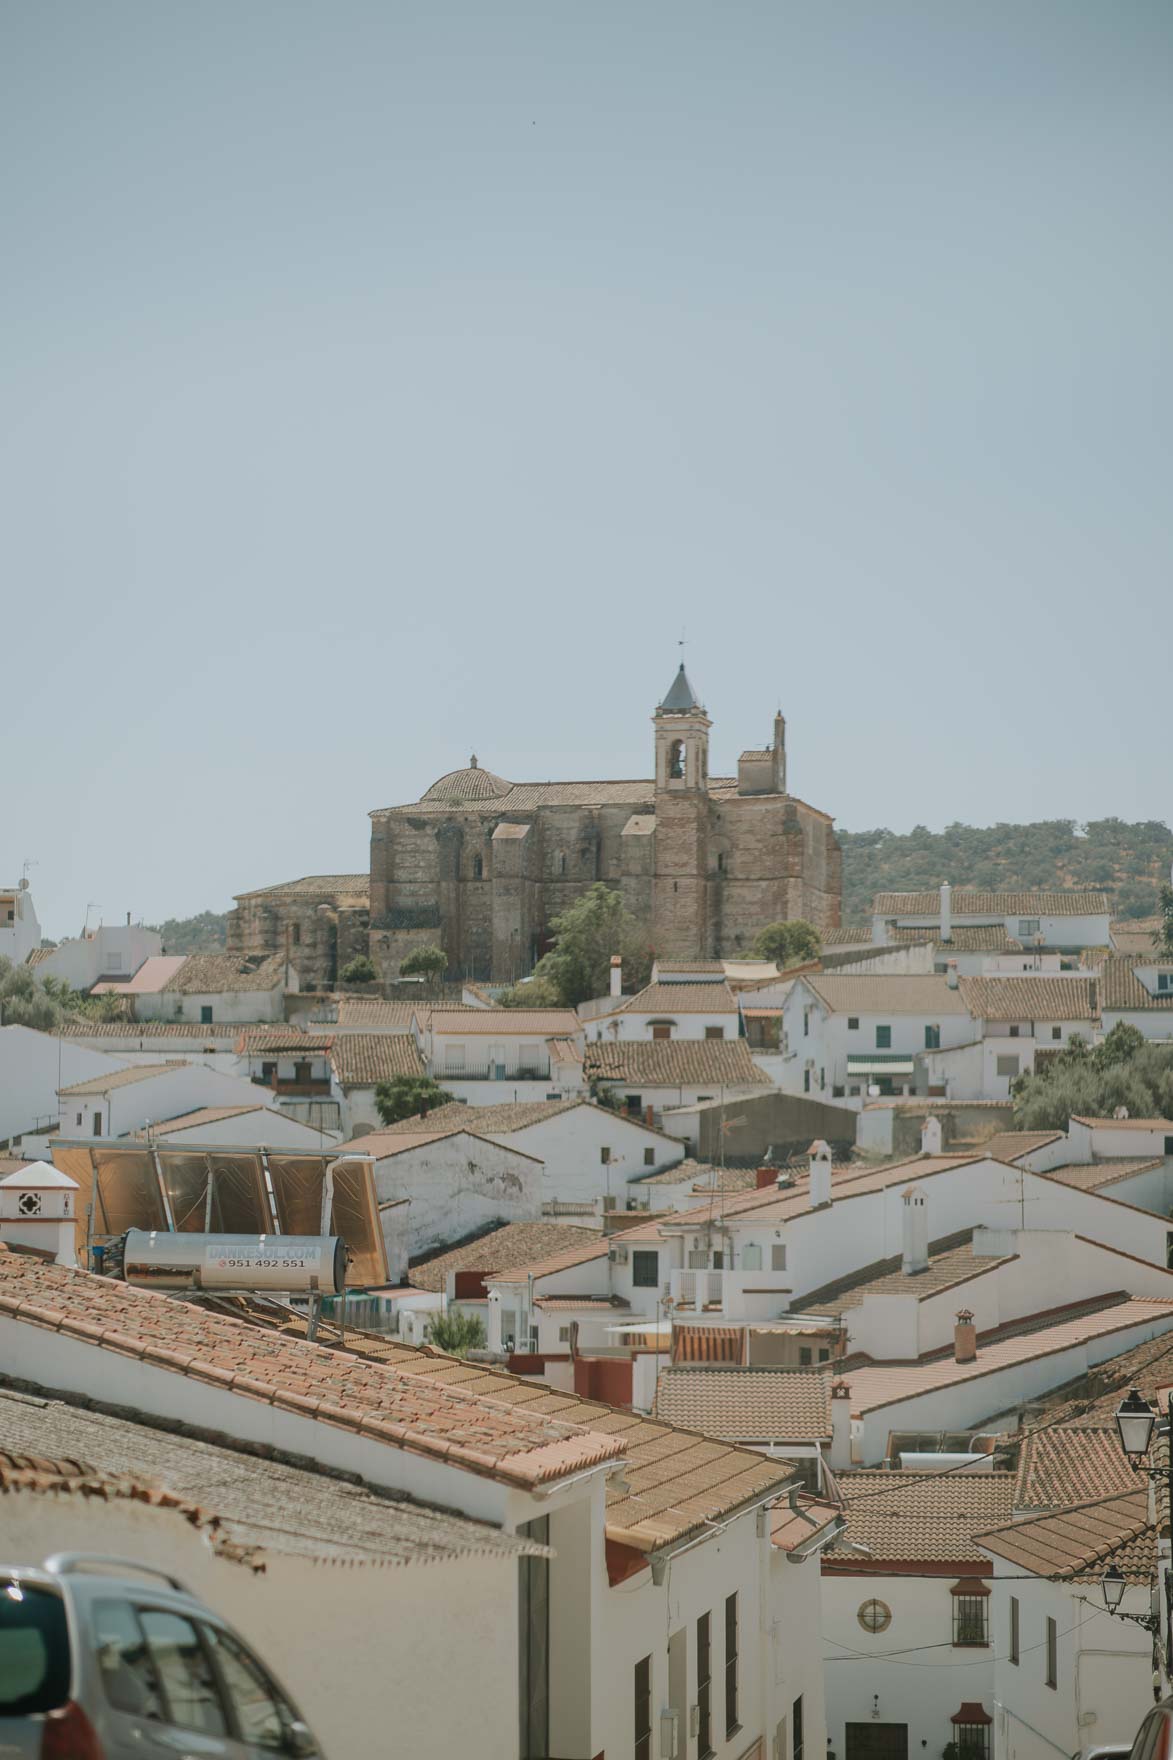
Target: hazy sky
[(383, 383)]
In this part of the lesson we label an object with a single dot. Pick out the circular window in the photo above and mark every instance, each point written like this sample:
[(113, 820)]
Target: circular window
[(875, 1616)]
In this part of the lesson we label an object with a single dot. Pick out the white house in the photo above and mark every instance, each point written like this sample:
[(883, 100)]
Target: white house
[(670, 1010), (358, 1063), (20, 932), (1104, 1138), (155, 1041), (458, 1278), (256, 1125), (909, 1580), (846, 1037), (1138, 990), (488, 1056), (659, 1608), (1013, 1019), (112, 951), (649, 1077), (122, 1101), (33, 1066), (211, 987), (1067, 920)]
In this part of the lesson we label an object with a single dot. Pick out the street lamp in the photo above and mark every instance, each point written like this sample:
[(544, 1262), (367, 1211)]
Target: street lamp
[(1135, 1420), (1113, 1585)]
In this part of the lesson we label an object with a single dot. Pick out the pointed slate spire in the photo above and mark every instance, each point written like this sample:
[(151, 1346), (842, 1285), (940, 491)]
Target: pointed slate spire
[(681, 697)]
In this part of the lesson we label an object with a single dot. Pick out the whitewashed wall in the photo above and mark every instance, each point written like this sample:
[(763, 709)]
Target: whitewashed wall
[(458, 1184)]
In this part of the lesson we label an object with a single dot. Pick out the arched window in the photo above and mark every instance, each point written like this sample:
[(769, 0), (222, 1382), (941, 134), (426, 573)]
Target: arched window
[(720, 861), (562, 861), (478, 867), (676, 761)]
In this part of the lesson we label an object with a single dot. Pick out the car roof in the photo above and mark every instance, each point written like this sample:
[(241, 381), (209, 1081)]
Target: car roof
[(90, 1584)]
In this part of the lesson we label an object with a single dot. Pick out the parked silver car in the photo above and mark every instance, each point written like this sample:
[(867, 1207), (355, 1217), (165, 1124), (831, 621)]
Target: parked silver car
[(97, 1663)]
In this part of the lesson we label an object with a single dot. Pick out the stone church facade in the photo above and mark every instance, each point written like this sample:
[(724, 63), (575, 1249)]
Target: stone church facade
[(481, 865)]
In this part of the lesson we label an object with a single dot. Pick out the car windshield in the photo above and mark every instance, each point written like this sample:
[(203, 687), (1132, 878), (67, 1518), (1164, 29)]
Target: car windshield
[(34, 1650)]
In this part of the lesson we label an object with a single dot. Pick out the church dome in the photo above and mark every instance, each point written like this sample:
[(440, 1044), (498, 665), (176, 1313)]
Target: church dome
[(473, 784)]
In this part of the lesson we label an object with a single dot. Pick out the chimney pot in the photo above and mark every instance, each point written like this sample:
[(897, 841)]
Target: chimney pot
[(616, 974), (930, 1136), (946, 912), (951, 974), (915, 1256), (820, 1174), (964, 1338)]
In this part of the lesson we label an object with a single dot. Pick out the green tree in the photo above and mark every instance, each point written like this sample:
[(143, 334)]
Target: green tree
[(409, 1096), (425, 962), (457, 1333), (586, 934), (534, 993), (1124, 1071), (359, 970), (789, 943), (1164, 935), (26, 1002), (205, 933)]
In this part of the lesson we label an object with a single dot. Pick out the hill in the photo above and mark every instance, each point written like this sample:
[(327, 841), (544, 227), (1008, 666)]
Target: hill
[(203, 934), (1129, 862)]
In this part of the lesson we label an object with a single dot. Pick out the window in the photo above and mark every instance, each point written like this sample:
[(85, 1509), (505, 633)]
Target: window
[(972, 1739), (77, 1118), (1165, 980), (778, 1256), (883, 1038), (97, 1124), (932, 1038), (34, 1655), (804, 1356), (649, 1157), (206, 1014), (478, 867), (605, 1154), (1016, 1031), (1169, 1145), (643, 1709), (970, 1619), (296, 936), (676, 761), (731, 1723), (796, 1729), (714, 1032), (661, 1029), (1056, 1032), (1052, 1654), (874, 1616), (264, 1719), (124, 1663), (1014, 1630), (720, 861), (704, 1687), (564, 1335), (806, 1023), (645, 1269), (269, 1073), (185, 1672), (534, 1630), (806, 1081), (824, 1356), (302, 1073), (1169, 1251), (1027, 926), (853, 1023), (562, 861), (1006, 1066)]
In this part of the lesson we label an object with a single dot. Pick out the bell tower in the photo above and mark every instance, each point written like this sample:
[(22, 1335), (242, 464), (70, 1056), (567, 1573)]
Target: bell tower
[(680, 927)]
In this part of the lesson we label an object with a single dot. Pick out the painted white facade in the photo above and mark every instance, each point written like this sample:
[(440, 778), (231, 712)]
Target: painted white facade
[(267, 1126), (243, 1006), (456, 1185), (1105, 1139), (589, 1154), (131, 1106), (20, 932), (1103, 1678), (829, 1054), (1041, 929), (32, 1067), (112, 950)]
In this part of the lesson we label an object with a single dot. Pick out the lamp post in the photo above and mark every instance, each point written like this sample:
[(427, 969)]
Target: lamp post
[(1136, 1422)]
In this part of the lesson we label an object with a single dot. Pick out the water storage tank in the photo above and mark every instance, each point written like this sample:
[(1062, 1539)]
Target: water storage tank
[(295, 1263)]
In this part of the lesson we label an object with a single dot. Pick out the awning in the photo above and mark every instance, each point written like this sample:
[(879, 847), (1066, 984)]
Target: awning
[(971, 1712), (970, 1586), (879, 1066)]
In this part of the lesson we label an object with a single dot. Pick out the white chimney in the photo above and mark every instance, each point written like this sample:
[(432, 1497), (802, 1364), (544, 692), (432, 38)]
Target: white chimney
[(930, 1136), (916, 1233), (37, 1210), (617, 974), (946, 911), (820, 1187), (951, 974), (840, 1424)]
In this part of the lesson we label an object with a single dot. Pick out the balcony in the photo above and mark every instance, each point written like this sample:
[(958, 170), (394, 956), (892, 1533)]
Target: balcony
[(533, 1070), (737, 1295)]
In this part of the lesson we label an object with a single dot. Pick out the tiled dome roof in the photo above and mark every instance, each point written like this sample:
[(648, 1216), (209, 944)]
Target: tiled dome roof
[(473, 784)]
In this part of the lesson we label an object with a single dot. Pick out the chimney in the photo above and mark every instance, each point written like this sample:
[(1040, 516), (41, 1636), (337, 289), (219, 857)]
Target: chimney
[(820, 1160), (946, 911), (916, 1233), (964, 1338), (930, 1136), (617, 974), (951, 974), (128, 919), (840, 1424), (766, 1176)]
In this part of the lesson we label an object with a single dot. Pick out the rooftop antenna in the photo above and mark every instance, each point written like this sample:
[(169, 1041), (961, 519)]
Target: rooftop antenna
[(24, 871), (91, 905)]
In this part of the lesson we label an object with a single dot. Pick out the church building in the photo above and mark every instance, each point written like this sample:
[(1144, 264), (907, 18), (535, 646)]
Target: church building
[(481, 865)]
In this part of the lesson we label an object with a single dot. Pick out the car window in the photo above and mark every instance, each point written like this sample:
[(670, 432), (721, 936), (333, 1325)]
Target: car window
[(1146, 1737), (34, 1650), (192, 1696), (263, 1717), (124, 1662)]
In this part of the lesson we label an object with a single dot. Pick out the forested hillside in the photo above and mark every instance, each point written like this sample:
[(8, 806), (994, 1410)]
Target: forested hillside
[(202, 934), (1128, 861)]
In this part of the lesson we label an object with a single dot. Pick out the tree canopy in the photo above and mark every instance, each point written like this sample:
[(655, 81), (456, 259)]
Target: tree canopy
[(1125, 1069), (205, 933), (360, 970), (586, 934), (457, 1333), (425, 962), (788, 943), (407, 1096)]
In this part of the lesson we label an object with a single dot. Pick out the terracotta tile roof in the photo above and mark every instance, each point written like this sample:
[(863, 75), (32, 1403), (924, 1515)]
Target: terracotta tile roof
[(1125, 1124), (254, 1040), (563, 1051), (210, 974), (917, 1518), (709, 1344), (122, 1078), (716, 967), (1030, 998), (150, 978), (38, 954), (381, 1401), (992, 904), (503, 1249), (1121, 988), (1077, 1543), (510, 1116), (674, 1063), (875, 1385), (506, 1023), (672, 999), (146, 1032), (848, 935), (1092, 1177), (360, 1060), (384, 1144), (248, 1505), (951, 1261), (1136, 934), (687, 1172), (885, 993), (324, 886), (789, 1530), (965, 938), (370, 1011), (748, 1405), (1071, 1463), (200, 1116), (562, 1259), (1011, 1145)]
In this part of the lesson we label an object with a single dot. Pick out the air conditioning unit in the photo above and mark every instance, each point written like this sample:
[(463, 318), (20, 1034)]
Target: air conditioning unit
[(618, 1255)]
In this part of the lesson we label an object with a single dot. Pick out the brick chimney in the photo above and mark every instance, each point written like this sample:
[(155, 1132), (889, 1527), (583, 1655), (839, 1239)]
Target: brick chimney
[(964, 1338), (617, 974)]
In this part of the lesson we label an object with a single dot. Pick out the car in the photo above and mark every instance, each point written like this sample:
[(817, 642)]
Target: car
[(1105, 1751), (98, 1664), (1154, 1738)]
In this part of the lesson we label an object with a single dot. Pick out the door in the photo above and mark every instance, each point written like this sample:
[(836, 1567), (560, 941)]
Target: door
[(877, 1741)]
